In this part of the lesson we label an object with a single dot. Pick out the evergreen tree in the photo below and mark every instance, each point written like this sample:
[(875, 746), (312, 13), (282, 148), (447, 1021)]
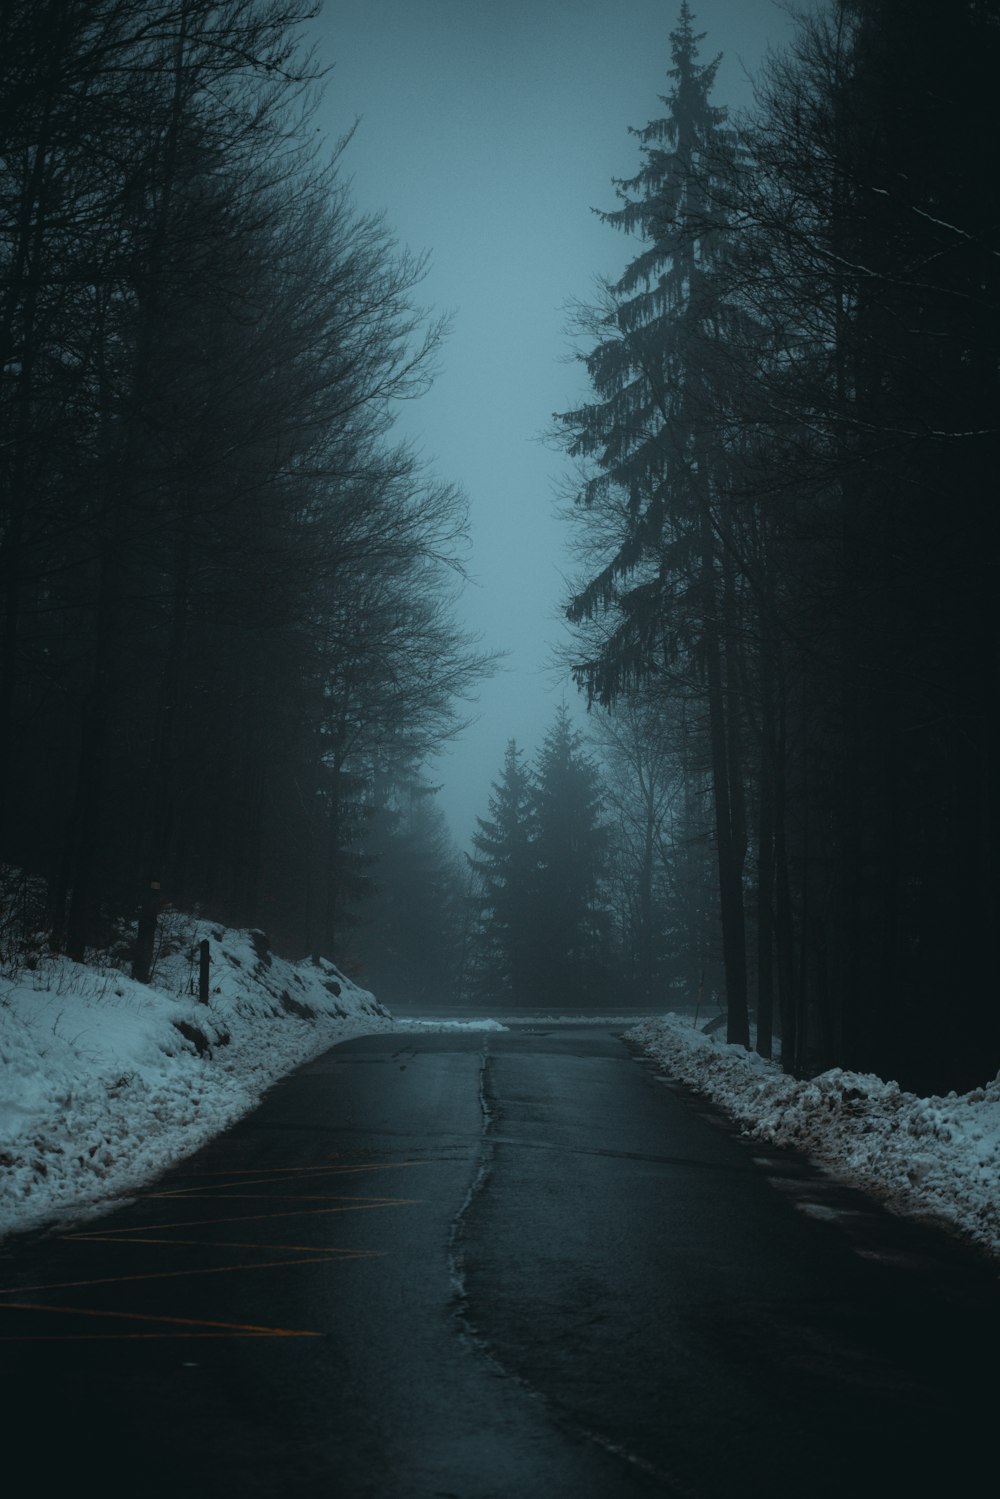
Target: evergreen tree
[(570, 908), (659, 372), (875, 203), (505, 958)]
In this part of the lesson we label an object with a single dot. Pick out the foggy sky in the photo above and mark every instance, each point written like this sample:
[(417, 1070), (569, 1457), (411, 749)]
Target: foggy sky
[(488, 131)]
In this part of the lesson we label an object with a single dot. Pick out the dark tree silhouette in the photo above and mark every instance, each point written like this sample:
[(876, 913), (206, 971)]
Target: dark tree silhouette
[(655, 371), (571, 849), (505, 864), (227, 592)]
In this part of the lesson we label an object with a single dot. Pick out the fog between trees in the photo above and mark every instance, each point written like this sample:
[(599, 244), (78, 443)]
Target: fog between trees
[(227, 592), (229, 642)]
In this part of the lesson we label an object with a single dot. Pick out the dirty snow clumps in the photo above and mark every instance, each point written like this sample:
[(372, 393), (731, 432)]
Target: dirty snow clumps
[(933, 1158)]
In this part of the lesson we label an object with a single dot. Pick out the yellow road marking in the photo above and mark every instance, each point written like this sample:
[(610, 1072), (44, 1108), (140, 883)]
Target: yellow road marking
[(113, 1280), (135, 1337), (375, 1202), (149, 1233), (332, 1250), (327, 1166), (226, 1327), (266, 1196), (284, 1173)]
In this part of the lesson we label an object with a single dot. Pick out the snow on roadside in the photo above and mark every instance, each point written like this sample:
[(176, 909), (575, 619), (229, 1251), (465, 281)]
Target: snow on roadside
[(411, 1023), (104, 1082), (567, 1017), (933, 1158)]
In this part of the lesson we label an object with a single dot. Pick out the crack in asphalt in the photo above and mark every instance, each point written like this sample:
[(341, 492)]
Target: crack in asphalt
[(478, 1342), (456, 1254)]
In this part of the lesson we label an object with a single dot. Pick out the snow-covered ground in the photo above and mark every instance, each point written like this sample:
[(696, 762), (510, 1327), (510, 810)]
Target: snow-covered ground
[(104, 1083), (932, 1158)]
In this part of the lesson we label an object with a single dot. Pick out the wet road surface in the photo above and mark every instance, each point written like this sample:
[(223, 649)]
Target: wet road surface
[(500, 1266)]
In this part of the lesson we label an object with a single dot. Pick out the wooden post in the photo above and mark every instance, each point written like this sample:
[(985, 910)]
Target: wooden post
[(203, 971)]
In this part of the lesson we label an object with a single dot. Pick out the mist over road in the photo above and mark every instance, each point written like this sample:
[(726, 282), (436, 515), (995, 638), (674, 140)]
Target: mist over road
[(495, 1266)]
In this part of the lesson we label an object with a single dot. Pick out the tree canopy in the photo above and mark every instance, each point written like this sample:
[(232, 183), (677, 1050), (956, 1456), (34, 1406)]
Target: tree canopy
[(787, 531), (227, 589)]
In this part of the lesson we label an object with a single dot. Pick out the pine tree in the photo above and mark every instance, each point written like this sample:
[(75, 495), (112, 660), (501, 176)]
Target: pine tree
[(506, 950), (657, 368), (571, 849)]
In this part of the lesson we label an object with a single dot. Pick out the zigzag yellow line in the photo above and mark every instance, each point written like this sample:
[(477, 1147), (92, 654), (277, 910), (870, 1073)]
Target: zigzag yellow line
[(331, 1250), (279, 1173), (223, 1329), (112, 1280), (359, 1205)]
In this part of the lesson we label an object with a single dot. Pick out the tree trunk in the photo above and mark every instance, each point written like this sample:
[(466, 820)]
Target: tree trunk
[(162, 780), (765, 888), (730, 862)]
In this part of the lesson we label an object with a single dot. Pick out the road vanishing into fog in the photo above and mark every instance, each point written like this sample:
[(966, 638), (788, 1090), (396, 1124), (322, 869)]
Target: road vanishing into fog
[(495, 1266)]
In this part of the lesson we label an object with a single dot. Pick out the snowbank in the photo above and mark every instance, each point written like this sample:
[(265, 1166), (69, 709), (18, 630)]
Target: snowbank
[(404, 1024), (933, 1158), (105, 1082)]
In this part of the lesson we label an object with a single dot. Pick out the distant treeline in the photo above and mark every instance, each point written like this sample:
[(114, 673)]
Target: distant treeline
[(225, 589), (787, 532)]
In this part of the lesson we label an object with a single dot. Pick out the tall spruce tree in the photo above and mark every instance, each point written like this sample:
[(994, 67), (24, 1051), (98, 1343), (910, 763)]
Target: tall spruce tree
[(571, 846), (656, 371), (505, 866)]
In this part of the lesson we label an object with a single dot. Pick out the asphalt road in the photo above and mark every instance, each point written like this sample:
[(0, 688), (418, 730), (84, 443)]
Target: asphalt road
[(503, 1266)]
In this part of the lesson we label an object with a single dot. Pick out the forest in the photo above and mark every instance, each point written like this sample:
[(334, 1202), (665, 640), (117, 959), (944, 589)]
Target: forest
[(230, 641), (227, 589), (786, 528)]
